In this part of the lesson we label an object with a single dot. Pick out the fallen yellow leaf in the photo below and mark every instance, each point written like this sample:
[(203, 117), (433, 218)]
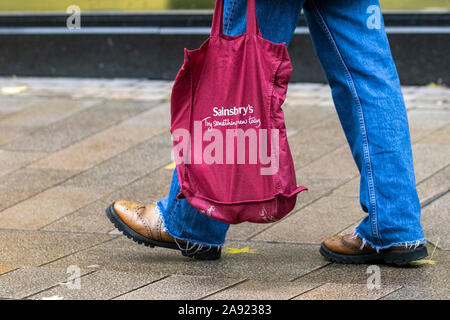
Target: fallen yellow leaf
[(424, 261), (170, 166), (13, 90), (236, 250), (4, 268)]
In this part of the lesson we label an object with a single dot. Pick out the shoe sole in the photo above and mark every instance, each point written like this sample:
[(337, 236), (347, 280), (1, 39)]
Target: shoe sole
[(397, 257), (136, 237)]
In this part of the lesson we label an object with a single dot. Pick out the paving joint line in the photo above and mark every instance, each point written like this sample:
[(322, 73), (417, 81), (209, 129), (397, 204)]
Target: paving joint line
[(64, 147), (103, 197), (9, 271), (328, 193), (76, 252), (140, 287), (58, 231), (434, 198), (275, 242), (388, 294), (41, 127), (433, 174), (55, 286), (80, 172), (318, 286), (223, 289), (311, 272)]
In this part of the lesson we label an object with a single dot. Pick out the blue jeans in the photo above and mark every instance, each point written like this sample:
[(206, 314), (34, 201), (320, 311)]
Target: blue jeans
[(366, 91)]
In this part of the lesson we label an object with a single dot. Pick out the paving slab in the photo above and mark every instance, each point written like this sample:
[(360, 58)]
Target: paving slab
[(422, 292), (304, 144), (337, 164), (111, 139), (178, 287), (20, 248), (435, 221), (46, 207), (263, 290), (317, 188), (9, 197), (429, 93), (334, 291), (12, 160), (245, 230), (100, 285), (434, 185), (45, 112), (300, 89), (302, 114), (432, 272), (11, 133), (90, 218), (349, 189), (158, 117), (15, 103), (71, 87), (331, 213), (24, 282), (34, 180), (148, 189), (97, 148), (429, 159), (128, 166), (425, 281), (270, 261), (424, 122), (78, 126), (27, 182), (431, 186), (4, 269), (439, 137)]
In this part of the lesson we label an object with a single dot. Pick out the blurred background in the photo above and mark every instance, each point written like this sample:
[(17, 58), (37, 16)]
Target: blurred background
[(145, 39), (145, 5)]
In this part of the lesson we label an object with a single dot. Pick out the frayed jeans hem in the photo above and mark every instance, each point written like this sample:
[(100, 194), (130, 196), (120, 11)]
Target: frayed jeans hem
[(406, 244), (178, 237)]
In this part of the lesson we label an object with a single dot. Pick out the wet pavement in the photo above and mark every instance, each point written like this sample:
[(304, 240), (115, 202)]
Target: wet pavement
[(70, 147)]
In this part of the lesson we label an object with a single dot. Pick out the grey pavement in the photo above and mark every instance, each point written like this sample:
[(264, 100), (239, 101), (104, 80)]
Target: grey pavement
[(70, 147)]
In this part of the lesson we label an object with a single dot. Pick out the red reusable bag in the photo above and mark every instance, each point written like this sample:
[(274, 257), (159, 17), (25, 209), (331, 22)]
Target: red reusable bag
[(230, 146)]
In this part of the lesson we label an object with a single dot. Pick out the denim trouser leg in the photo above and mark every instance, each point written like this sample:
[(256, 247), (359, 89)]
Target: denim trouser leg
[(277, 23), (369, 102), (184, 222), (368, 99)]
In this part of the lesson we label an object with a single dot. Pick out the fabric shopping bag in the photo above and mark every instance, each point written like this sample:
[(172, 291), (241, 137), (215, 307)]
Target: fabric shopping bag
[(229, 135)]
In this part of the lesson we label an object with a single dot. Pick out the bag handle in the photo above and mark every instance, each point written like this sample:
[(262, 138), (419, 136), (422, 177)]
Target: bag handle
[(252, 23)]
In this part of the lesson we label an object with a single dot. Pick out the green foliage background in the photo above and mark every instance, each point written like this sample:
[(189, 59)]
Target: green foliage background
[(144, 5)]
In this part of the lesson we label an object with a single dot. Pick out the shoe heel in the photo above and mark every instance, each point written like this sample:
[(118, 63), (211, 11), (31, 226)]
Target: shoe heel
[(212, 254), (401, 257)]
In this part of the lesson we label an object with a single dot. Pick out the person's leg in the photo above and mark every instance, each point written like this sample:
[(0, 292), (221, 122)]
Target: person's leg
[(183, 221), (357, 60), (277, 20)]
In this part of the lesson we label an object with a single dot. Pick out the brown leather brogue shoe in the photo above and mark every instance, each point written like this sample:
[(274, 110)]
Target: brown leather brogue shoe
[(350, 249), (142, 223)]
